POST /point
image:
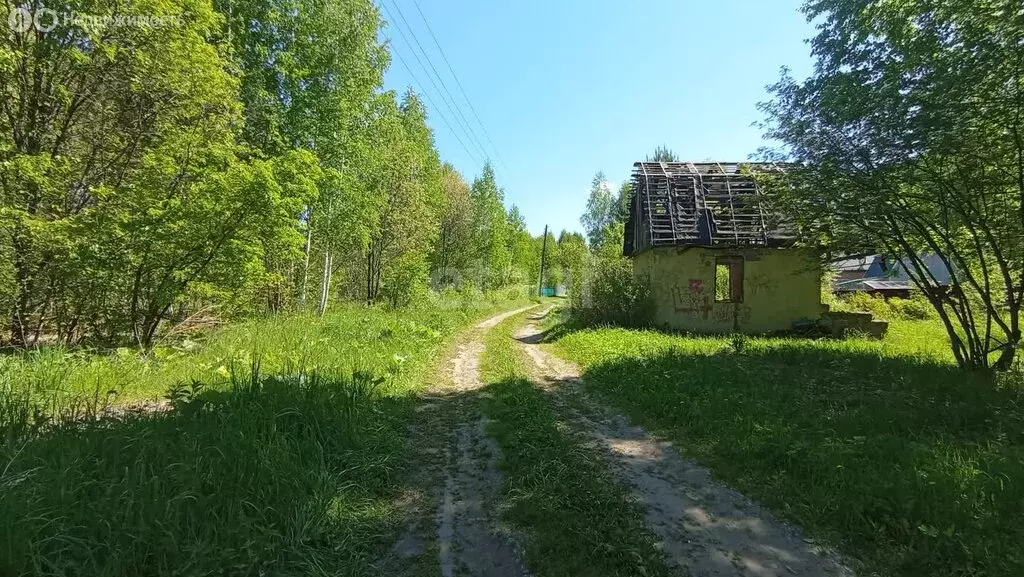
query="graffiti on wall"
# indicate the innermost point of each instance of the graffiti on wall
(735, 314)
(691, 300)
(695, 302)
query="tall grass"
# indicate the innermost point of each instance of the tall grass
(258, 478)
(347, 338)
(280, 452)
(886, 448)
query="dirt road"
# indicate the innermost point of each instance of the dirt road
(455, 511)
(704, 528)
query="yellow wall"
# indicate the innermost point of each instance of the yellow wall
(780, 287)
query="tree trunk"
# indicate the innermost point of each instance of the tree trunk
(1006, 357)
(305, 270)
(325, 284)
(369, 276)
(330, 279)
(19, 336)
(134, 311)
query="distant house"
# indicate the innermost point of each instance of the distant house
(884, 275)
(716, 258)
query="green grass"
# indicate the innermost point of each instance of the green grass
(349, 336)
(257, 481)
(282, 462)
(885, 448)
(578, 520)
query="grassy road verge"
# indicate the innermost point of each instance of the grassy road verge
(885, 448)
(282, 462)
(579, 521)
(348, 336)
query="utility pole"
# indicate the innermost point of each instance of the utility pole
(543, 257)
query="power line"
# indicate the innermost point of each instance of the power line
(452, 107)
(439, 112)
(444, 88)
(459, 84)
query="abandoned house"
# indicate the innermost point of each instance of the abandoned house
(715, 257)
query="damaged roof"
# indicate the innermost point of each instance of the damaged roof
(708, 204)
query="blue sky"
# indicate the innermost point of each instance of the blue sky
(567, 88)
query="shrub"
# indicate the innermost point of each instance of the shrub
(828, 278)
(516, 293)
(860, 301)
(470, 295)
(408, 281)
(916, 308)
(449, 294)
(612, 295)
(501, 296)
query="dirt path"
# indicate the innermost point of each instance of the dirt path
(704, 527)
(454, 508)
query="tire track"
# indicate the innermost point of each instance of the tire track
(705, 527)
(457, 486)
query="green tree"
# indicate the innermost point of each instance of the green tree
(610, 245)
(663, 154)
(346, 214)
(601, 211)
(453, 254)
(523, 252)
(572, 259)
(622, 202)
(909, 137)
(224, 162)
(309, 71)
(111, 170)
(206, 241)
(404, 175)
(490, 226)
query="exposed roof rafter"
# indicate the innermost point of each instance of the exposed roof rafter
(711, 204)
